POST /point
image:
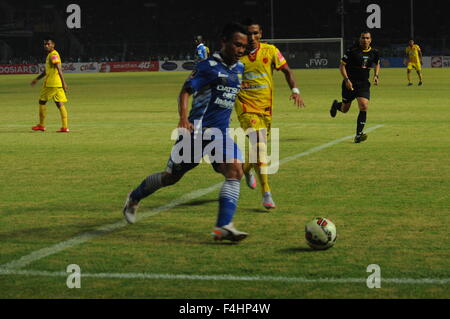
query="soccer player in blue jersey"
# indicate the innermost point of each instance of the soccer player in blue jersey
(202, 51)
(214, 85)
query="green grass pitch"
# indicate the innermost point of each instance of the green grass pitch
(389, 197)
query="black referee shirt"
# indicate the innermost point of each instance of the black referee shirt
(358, 63)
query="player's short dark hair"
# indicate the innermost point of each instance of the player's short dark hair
(250, 21)
(365, 32)
(230, 29)
(48, 39)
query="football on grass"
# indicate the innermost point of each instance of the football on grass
(320, 233)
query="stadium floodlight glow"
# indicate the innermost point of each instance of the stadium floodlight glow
(311, 52)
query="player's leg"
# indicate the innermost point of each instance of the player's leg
(43, 98)
(257, 127)
(262, 165)
(408, 73)
(247, 167)
(419, 73)
(60, 98)
(151, 184)
(247, 122)
(63, 113)
(42, 116)
(175, 170)
(228, 200)
(344, 106)
(363, 104)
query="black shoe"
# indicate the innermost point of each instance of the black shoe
(420, 83)
(333, 109)
(360, 138)
(410, 84)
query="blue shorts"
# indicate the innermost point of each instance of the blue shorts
(189, 151)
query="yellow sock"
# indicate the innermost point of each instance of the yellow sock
(42, 114)
(261, 167)
(409, 77)
(63, 113)
(263, 178)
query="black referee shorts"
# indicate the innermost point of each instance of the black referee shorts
(361, 89)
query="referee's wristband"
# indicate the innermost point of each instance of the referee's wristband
(295, 91)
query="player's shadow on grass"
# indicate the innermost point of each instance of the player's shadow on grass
(292, 139)
(199, 202)
(295, 250)
(258, 210)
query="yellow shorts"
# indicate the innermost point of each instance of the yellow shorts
(255, 121)
(415, 66)
(57, 94)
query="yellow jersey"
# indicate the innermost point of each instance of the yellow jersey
(256, 94)
(413, 53)
(52, 78)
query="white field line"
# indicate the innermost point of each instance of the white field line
(105, 229)
(412, 281)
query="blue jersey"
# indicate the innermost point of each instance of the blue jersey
(201, 53)
(215, 86)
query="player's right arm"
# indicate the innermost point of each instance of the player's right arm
(183, 101)
(407, 56)
(40, 76)
(198, 79)
(344, 74)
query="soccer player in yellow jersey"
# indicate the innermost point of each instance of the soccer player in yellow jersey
(54, 87)
(414, 61)
(254, 103)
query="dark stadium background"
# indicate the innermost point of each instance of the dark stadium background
(137, 30)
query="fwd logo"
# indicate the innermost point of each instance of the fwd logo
(318, 62)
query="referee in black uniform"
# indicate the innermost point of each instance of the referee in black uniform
(355, 69)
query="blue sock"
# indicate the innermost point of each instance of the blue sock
(228, 199)
(148, 186)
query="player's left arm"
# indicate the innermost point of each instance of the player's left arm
(290, 79)
(419, 51)
(376, 76)
(377, 62)
(60, 72)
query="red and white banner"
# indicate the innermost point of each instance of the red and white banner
(136, 66)
(19, 68)
(76, 67)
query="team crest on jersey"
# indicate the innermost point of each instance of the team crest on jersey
(265, 60)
